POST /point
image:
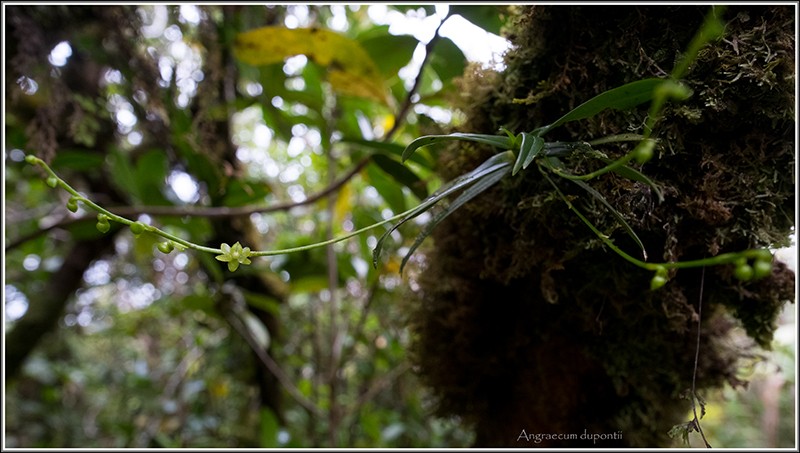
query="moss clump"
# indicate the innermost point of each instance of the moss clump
(525, 321)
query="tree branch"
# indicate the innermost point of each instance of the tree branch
(270, 364)
(401, 114)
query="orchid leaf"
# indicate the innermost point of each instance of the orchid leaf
(491, 165)
(493, 140)
(487, 181)
(620, 98)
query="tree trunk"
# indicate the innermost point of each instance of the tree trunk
(528, 327)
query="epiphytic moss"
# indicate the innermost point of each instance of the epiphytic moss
(525, 321)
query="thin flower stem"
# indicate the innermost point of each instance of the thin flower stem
(188, 244)
(725, 258)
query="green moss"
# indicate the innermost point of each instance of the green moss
(524, 320)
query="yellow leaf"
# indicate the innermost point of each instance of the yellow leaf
(344, 204)
(351, 71)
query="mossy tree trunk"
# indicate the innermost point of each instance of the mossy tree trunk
(526, 322)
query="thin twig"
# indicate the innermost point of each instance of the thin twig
(696, 358)
(270, 364)
(401, 114)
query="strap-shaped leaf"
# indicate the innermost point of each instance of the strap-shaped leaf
(494, 140)
(620, 98)
(489, 166)
(555, 162)
(531, 146)
(486, 181)
(389, 148)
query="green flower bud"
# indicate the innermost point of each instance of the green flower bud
(657, 282)
(743, 272)
(137, 228)
(166, 247)
(763, 255)
(102, 223)
(52, 182)
(31, 159)
(644, 151)
(72, 204)
(762, 269)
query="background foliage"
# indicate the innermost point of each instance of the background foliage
(154, 111)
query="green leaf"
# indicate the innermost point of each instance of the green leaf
(447, 60)
(390, 191)
(491, 165)
(268, 429)
(486, 181)
(240, 193)
(389, 52)
(531, 146)
(263, 302)
(620, 98)
(487, 17)
(77, 160)
(493, 140)
(401, 174)
(124, 175)
(351, 71)
(391, 149)
(151, 175)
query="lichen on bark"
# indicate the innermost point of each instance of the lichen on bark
(523, 319)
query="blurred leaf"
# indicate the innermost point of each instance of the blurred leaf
(240, 193)
(80, 160)
(351, 71)
(310, 284)
(123, 175)
(257, 329)
(447, 60)
(392, 149)
(151, 175)
(392, 432)
(389, 52)
(199, 302)
(401, 174)
(487, 17)
(344, 204)
(263, 302)
(391, 193)
(268, 429)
